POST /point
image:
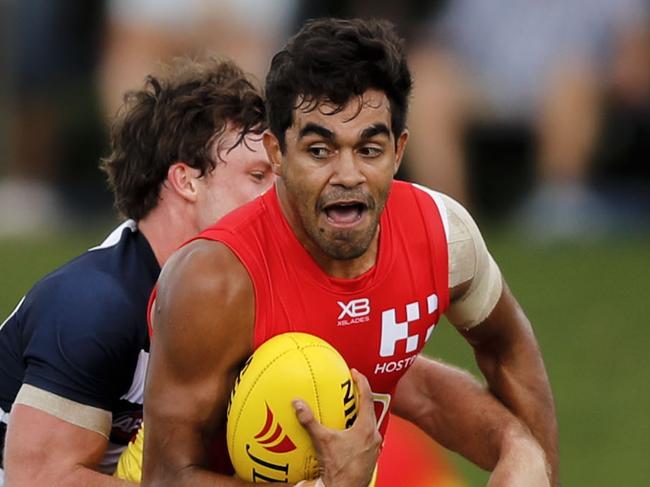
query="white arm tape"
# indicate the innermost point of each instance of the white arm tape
(88, 417)
(470, 261)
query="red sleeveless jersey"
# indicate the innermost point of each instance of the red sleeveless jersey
(378, 321)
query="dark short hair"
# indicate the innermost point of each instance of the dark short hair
(176, 117)
(335, 60)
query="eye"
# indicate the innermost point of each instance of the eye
(258, 176)
(318, 152)
(370, 151)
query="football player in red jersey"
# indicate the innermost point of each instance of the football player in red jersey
(377, 262)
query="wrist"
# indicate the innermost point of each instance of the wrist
(518, 444)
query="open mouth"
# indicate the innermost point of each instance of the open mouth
(345, 213)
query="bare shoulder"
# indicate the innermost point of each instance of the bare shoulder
(205, 296)
(201, 266)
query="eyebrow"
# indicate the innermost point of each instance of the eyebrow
(376, 129)
(313, 128)
(368, 133)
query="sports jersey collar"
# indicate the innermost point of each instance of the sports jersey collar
(146, 252)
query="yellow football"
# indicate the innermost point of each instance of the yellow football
(266, 442)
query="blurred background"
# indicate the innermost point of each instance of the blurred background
(535, 115)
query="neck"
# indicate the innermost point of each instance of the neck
(339, 268)
(166, 227)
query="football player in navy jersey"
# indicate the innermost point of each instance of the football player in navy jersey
(186, 149)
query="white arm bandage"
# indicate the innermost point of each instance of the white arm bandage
(88, 417)
(469, 261)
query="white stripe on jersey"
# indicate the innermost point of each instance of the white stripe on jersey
(114, 237)
(12, 313)
(442, 208)
(135, 394)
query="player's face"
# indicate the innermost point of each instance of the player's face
(239, 176)
(335, 175)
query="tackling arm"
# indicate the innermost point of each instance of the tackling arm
(508, 355)
(454, 409)
(42, 449)
(485, 312)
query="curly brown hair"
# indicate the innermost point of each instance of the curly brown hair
(177, 116)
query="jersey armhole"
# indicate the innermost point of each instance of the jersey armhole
(440, 204)
(438, 240)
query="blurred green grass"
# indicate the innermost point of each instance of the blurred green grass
(589, 304)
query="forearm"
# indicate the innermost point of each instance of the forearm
(456, 410)
(513, 367)
(525, 395)
(452, 407)
(515, 380)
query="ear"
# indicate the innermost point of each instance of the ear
(183, 180)
(400, 148)
(273, 151)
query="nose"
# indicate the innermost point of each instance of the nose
(347, 171)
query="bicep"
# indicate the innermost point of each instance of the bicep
(181, 413)
(41, 446)
(203, 332)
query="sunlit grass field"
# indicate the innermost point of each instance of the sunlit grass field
(590, 305)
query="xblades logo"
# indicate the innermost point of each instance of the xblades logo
(274, 439)
(353, 312)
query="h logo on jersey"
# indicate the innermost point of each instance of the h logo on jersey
(393, 331)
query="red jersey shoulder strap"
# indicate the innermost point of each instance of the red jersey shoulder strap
(428, 215)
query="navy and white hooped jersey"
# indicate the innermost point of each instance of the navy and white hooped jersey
(81, 333)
